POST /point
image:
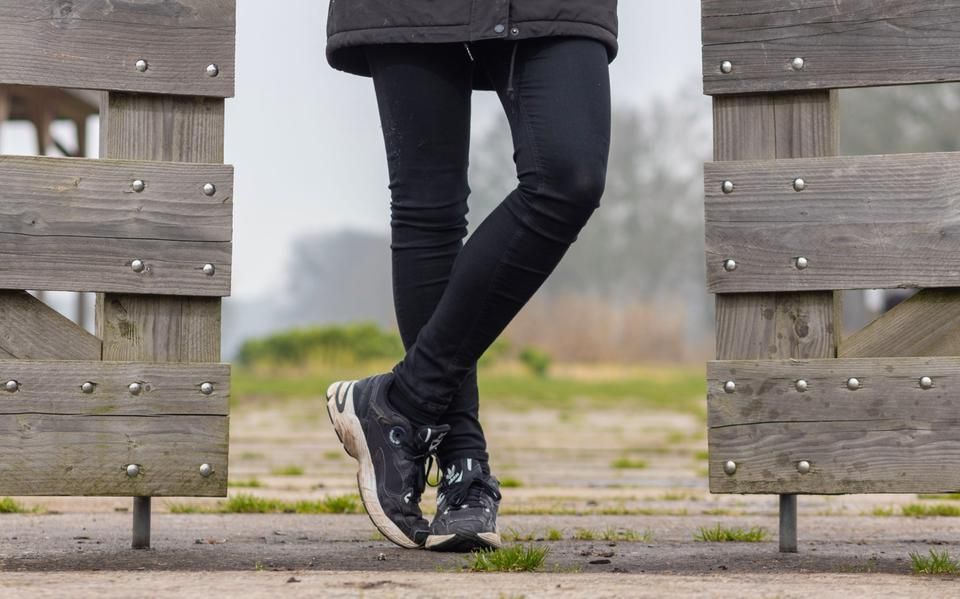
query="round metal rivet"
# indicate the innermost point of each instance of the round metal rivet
(206, 470)
(142, 65)
(727, 187)
(797, 63)
(209, 269)
(853, 383)
(138, 185)
(801, 263)
(212, 70)
(801, 385)
(133, 470)
(137, 265)
(803, 466)
(12, 386)
(135, 388)
(730, 387)
(499, 28)
(799, 184)
(209, 189)
(87, 387)
(926, 382)
(729, 467)
(206, 388)
(726, 67)
(515, 31)
(730, 265)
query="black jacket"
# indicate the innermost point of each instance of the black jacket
(352, 24)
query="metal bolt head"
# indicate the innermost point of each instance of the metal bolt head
(206, 470)
(209, 189)
(515, 31)
(726, 67)
(137, 265)
(730, 265)
(730, 387)
(803, 466)
(799, 184)
(133, 470)
(853, 383)
(801, 263)
(209, 269)
(727, 187)
(797, 63)
(212, 70)
(87, 387)
(801, 385)
(206, 388)
(135, 388)
(926, 382)
(142, 65)
(729, 467)
(11, 386)
(138, 185)
(499, 28)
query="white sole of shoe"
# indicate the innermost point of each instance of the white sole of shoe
(491, 539)
(348, 429)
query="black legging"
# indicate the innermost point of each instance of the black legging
(453, 299)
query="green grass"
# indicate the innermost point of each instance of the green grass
(920, 510)
(554, 534)
(612, 534)
(721, 534)
(8, 505)
(512, 535)
(625, 463)
(251, 504)
(882, 511)
(936, 563)
(287, 471)
(701, 455)
(514, 558)
(245, 484)
(508, 482)
(334, 454)
(948, 496)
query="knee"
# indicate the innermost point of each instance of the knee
(565, 192)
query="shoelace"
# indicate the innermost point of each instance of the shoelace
(472, 492)
(423, 474)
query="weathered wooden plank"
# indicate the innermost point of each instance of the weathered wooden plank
(927, 324)
(73, 197)
(56, 387)
(54, 454)
(861, 222)
(891, 435)
(96, 44)
(29, 329)
(843, 43)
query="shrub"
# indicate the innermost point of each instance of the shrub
(330, 344)
(536, 360)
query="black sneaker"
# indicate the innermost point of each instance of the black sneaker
(392, 454)
(467, 504)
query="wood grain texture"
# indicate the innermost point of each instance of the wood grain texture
(889, 436)
(862, 222)
(29, 329)
(161, 328)
(927, 324)
(55, 454)
(844, 43)
(53, 387)
(95, 44)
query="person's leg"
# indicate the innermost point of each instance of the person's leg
(556, 94)
(423, 94)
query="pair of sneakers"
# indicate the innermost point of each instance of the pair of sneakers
(394, 457)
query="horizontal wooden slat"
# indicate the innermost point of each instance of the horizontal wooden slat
(927, 324)
(888, 436)
(95, 44)
(77, 225)
(861, 222)
(30, 329)
(843, 43)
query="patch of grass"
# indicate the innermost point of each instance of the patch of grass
(291, 470)
(250, 504)
(515, 558)
(612, 534)
(718, 511)
(701, 455)
(920, 510)
(333, 454)
(624, 463)
(721, 534)
(186, 508)
(9, 505)
(674, 437)
(882, 511)
(251, 455)
(512, 535)
(948, 496)
(508, 482)
(245, 484)
(554, 534)
(936, 563)
(677, 496)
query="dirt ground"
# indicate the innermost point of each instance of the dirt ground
(565, 467)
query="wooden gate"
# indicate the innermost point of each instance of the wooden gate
(140, 409)
(793, 407)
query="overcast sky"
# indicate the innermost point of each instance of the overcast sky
(305, 139)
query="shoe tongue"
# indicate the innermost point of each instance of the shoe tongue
(429, 437)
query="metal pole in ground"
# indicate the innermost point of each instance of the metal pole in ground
(788, 524)
(141, 523)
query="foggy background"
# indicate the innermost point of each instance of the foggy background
(311, 204)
